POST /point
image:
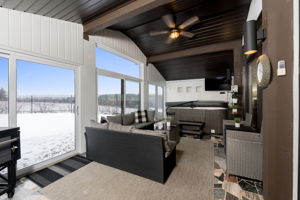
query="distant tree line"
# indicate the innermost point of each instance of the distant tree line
(46, 99)
(3, 94)
(132, 100)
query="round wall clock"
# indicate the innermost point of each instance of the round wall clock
(263, 71)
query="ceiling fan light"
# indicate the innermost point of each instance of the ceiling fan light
(174, 34)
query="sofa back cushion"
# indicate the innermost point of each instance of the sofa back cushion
(119, 127)
(128, 119)
(117, 119)
(141, 116)
(151, 115)
(95, 124)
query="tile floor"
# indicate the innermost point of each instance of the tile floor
(232, 187)
(25, 190)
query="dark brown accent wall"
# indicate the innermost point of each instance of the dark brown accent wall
(277, 101)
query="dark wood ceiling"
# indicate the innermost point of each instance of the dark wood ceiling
(220, 21)
(200, 66)
(79, 11)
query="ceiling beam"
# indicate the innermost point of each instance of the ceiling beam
(123, 13)
(223, 46)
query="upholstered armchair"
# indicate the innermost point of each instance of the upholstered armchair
(247, 122)
(244, 154)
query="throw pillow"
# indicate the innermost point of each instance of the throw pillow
(119, 127)
(150, 115)
(95, 124)
(117, 119)
(128, 119)
(141, 116)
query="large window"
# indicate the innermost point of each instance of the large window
(118, 84)
(152, 97)
(160, 102)
(111, 62)
(45, 111)
(109, 96)
(156, 100)
(132, 96)
(3, 92)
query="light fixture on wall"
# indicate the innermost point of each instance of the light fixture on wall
(251, 36)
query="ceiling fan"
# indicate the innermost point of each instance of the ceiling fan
(175, 31)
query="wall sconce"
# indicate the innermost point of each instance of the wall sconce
(251, 36)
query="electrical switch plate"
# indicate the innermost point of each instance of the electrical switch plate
(281, 70)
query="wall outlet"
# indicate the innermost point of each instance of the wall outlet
(212, 130)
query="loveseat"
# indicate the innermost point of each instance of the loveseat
(129, 119)
(141, 153)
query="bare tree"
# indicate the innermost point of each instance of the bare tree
(45, 107)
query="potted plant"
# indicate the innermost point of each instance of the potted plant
(237, 121)
(168, 120)
(235, 97)
(234, 109)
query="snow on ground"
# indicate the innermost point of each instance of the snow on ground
(47, 135)
(44, 136)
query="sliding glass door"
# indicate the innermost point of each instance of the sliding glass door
(3, 92)
(45, 111)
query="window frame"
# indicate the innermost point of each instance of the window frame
(123, 77)
(2, 55)
(157, 98)
(125, 87)
(12, 101)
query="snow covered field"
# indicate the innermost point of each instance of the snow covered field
(44, 136)
(49, 131)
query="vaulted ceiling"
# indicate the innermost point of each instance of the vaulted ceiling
(79, 11)
(220, 21)
(199, 66)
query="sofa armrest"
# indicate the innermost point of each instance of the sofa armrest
(244, 136)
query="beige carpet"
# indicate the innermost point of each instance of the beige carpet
(191, 179)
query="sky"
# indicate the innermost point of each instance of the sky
(39, 79)
(3, 73)
(111, 62)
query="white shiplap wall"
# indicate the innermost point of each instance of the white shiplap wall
(120, 43)
(41, 36)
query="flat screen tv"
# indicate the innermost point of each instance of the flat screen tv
(217, 84)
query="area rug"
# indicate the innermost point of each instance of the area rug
(47, 176)
(191, 179)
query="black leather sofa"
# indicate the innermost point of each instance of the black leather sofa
(143, 155)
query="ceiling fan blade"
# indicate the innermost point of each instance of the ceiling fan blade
(187, 34)
(169, 20)
(154, 33)
(189, 22)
